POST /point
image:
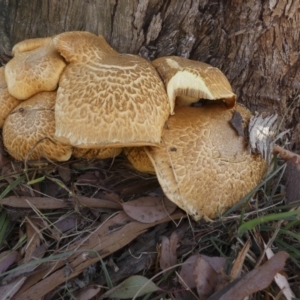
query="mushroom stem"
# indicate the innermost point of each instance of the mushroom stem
(286, 154)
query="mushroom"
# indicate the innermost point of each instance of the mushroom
(35, 67)
(29, 129)
(203, 165)
(100, 153)
(187, 81)
(7, 101)
(106, 101)
(139, 159)
(116, 99)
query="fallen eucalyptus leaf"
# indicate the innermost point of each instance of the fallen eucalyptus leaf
(130, 287)
(149, 209)
(168, 256)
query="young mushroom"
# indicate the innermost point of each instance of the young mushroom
(187, 81)
(139, 159)
(35, 67)
(28, 131)
(7, 101)
(203, 164)
(107, 99)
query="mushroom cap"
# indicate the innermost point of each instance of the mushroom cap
(82, 47)
(139, 159)
(203, 165)
(100, 153)
(187, 81)
(7, 101)
(116, 99)
(29, 129)
(35, 67)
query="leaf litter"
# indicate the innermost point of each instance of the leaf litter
(168, 256)
(74, 215)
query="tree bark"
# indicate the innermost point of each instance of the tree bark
(255, 43)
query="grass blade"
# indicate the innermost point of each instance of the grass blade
(247, 197)
(272, 217)
(11, 186)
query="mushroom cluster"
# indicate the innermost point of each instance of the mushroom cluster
(72, 94)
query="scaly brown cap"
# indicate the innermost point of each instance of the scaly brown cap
(107, 99)
(35, 67)
(29, 129)
(7, 101)
(203, 165)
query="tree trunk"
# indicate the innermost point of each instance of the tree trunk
(255, 43)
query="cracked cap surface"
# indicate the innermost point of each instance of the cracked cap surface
(203, 165)
(29, 129)
(35, 67)
(7, 101)
(107, 99)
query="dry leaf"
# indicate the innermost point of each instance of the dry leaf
(87, 293)
(66, 223)
(52, 203)
(88, 179)
(192, 275)
(256, 280)
(132, 287)
(239, 262)
(7, 291)
(64, 172)
(184, 295)
(149, 209)
(186, 275)
(237, 123)
(7, 258)
(33, 238)
(38, 202)
(137, 188)
(168, 256)
(217, 263)
(287, 155)
(98, 203)
(280, 279)
(114, 233)
(206, 277)
(38, 253)
(63, 225)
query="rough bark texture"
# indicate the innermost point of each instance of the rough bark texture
(255, 43)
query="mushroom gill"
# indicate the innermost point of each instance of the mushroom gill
(28, 131)
(35, 67)
(203, 165)
(187, 81)
(116, 99)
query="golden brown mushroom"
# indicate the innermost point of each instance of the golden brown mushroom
(139, 159)
(187, 81)
(7, 101)
(29, 129)
(116, 99)
(35, 67)
(203, 165)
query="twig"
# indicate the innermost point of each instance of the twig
(286, 154)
